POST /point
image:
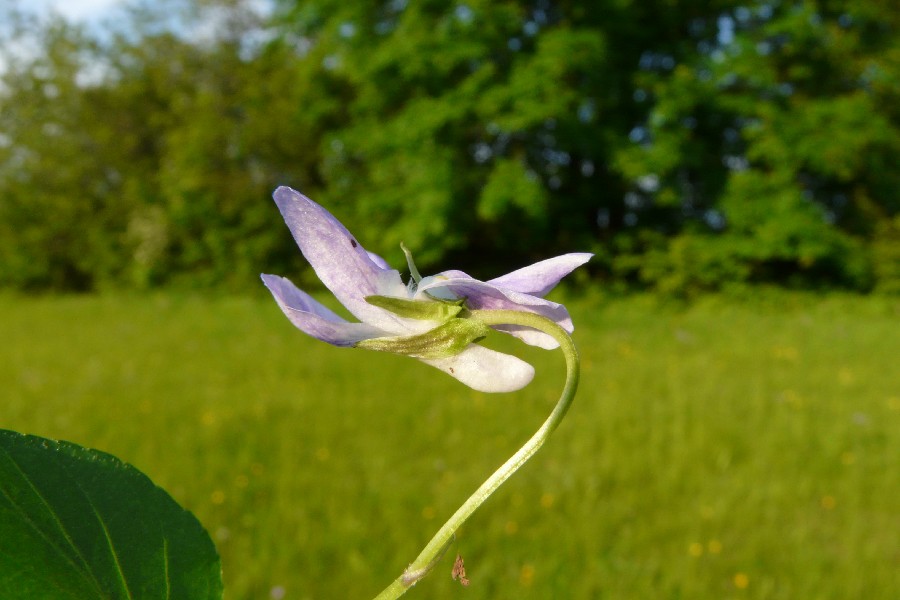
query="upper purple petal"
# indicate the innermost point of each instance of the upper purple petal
(339, 259)
(483, 295)
(315, 319)
(541, 277)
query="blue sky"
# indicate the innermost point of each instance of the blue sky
(85, 10)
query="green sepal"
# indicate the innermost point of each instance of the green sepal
(448, 339)
(413, 271)
(423, 310)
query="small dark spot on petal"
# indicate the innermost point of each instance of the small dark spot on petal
(451, 370)
(353, 243)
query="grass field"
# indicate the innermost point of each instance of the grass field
(721, 450)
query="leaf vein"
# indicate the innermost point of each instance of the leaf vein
(166, 567)
(112, 550)
(84, 568)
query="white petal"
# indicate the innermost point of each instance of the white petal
(530, 336)
(486, 370)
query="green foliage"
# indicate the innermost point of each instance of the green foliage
(886, 255)
(484, 133)
(755, 438)
(146, 157)
(778, 146)
(511, 186)
(78, 523)
(47, 189)
(442, 148)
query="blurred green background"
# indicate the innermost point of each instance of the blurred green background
(723, 450)
(692, 145)
(733, 165)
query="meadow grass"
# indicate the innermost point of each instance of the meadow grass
(719, 450)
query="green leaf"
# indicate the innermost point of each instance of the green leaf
(81, 524)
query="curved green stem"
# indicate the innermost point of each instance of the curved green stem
(438, 544)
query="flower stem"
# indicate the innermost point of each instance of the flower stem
(438, 544)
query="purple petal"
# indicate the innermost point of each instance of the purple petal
(482, 295)
(339, 260)
(486, 370)
(315, 319)
(541, 277)
(378, 260)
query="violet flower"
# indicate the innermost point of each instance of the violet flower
(427, 318)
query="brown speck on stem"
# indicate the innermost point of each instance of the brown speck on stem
(459, 571)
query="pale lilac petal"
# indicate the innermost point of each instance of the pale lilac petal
(315, 319)
(451, 274)
(339, 259)
(486, 370)
(378, 260)
(541, 277)
(482, 295)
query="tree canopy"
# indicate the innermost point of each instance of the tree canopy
(691, 145)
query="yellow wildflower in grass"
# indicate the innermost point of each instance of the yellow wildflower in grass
(741, 581)
(626, 350)
(792, 398)
(695, 549)
(526, 575)
(846, 376)
(786, 353)
(548, 500)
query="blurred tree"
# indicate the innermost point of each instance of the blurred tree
(486, 128)
(226, 106)
(774, 150)
(144, 154)
(48, 192)
(690, 144)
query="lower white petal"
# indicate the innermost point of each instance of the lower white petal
(530, 336)
(486, 370)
